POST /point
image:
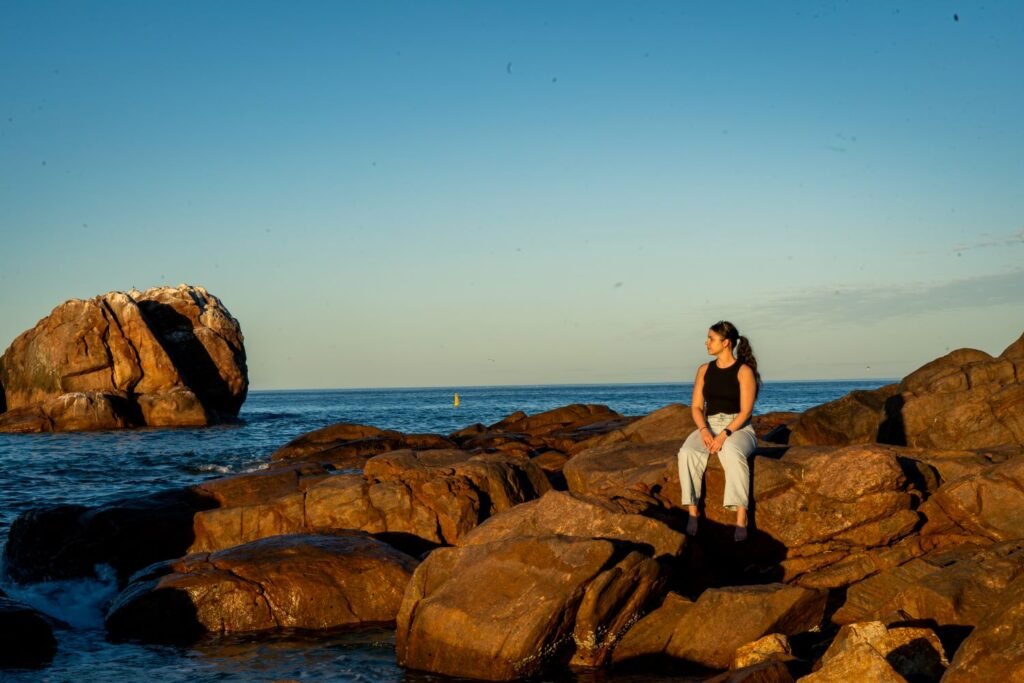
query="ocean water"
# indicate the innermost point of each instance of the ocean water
(95, 468)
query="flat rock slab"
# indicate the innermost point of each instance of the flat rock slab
(296, 581)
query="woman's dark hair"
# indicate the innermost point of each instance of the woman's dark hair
(740, 346)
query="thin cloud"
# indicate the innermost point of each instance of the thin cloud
(1010, 240)
(844, 304)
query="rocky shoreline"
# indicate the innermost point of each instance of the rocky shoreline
(554, 540)
(886, 543)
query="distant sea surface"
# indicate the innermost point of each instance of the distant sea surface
(94, 468)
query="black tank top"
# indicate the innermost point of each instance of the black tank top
(722, 389)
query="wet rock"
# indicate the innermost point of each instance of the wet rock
(508, 609)
(295, 581)
(27, 640)
(69, 541)
(163, 357)
(649, 637)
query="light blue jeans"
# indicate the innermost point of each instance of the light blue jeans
(693, 460)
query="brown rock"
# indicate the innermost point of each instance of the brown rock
(506, 610)
(25, 421)
(816, 496)
(993, 652)
(987, 505)
(674, 422)
(847, 566)
(178, 407)
(771, 671)
(773, 646)
(327, 437)
(435, 496)
(854, 418)
(650, 635)
(567, 514)
(710, 631)
(914, 653)
(27, 640)
(300, 581)
(964, 400)
(858, 663)
(774, 427)
(571, 418)
(956, 587)
(171, 356)
(724, 619)
(349, 445)
(625, 470)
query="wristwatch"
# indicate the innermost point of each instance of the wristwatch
(728, 432)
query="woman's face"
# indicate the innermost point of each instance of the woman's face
(715, 343)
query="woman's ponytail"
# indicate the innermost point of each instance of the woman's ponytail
(745, 355)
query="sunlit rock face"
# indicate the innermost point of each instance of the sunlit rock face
(169, 356)
(965, 399)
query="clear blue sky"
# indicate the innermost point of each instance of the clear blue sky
(446, 194)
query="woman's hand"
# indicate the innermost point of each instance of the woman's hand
(717, 443)
(707, 438)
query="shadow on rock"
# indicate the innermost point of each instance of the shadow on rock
(69, 541)
(198, 371)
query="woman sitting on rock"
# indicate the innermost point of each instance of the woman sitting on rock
(723, 401)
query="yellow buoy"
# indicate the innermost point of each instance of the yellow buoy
(456, 400)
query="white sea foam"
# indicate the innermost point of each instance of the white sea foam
(213, 467)
(81, 603)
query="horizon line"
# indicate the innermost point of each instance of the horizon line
(885, 380)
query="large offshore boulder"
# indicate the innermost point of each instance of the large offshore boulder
(169, 356)
(295, 581)
(966, 399)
